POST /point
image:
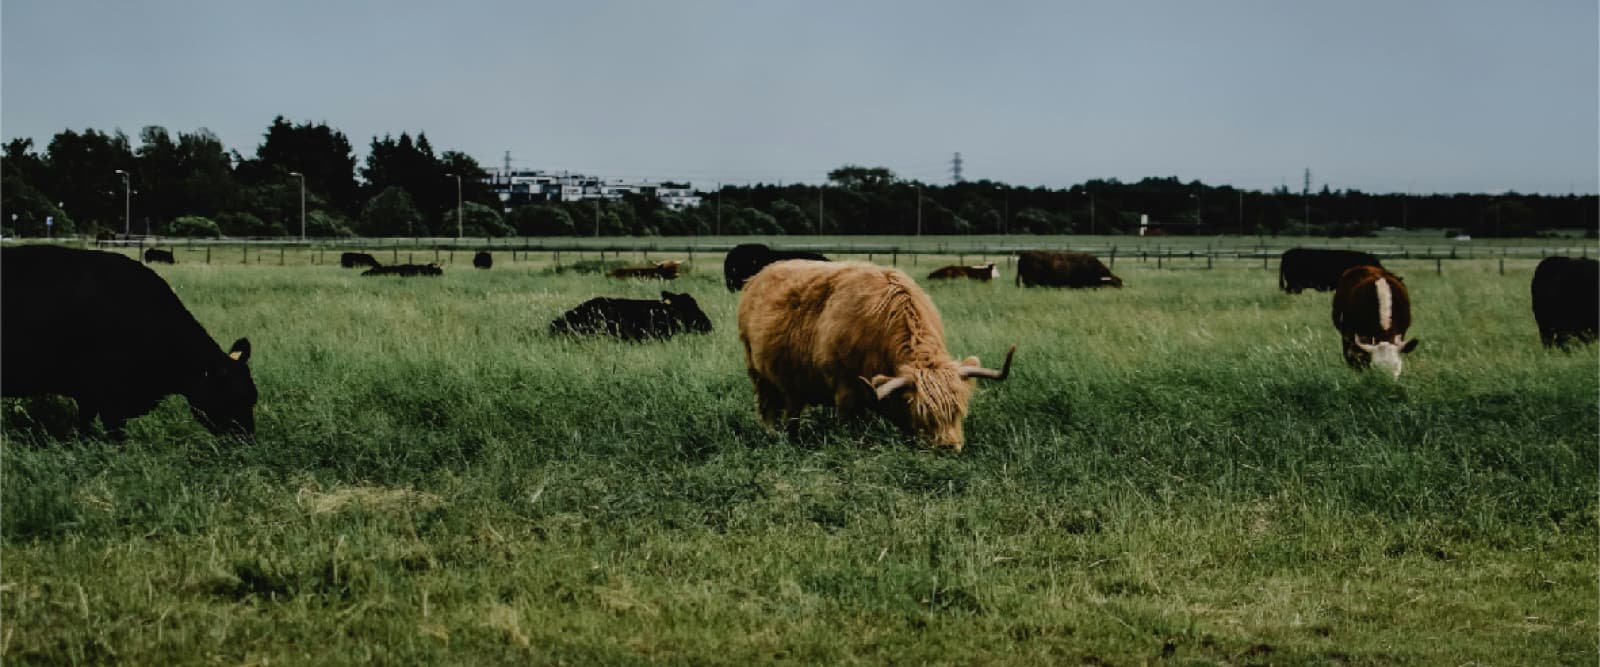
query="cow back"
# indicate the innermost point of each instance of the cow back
(1566, 298)
(77, 320)
(1363, 295)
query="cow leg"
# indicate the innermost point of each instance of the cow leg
(770, 401)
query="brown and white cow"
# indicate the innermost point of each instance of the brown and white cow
(1372, 311)
(985, 272)
(815, 332)
(666, 270)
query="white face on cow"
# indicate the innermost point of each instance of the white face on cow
(1386, 354)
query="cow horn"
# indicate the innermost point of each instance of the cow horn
(888, 388)
(1366, 346)
(989, 373)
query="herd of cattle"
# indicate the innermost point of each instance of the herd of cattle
(851, 335)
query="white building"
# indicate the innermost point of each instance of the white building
(518, 188)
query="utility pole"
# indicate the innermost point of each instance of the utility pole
(127, 206)
(819, 208)
(919, 210)
(1241, 212)
(1091, 214)
(302, 204)
(597, 217)
(719, 210)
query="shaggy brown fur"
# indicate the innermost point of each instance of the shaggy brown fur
(813, 330)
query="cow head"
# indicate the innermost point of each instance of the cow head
(1110, 281)
(223, 398)
(932, 402)
(994, 271)
(1385, 355)
(686, 311)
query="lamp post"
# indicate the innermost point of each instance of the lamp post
(127, 207)
(458, 205)
(302, 204)
(919, 209)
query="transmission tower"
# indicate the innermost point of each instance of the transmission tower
(955, 168)
(1305, 193)
(508, 164)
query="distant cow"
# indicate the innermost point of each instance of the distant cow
(405, 270)
(1566, 300)
(109, 333)
(984, 273)
(158, 256)
(667, 270)
(483, 259)
(854, 336)
(351, 260)
(1318, 268)
(1063, 269)
(1372, 311)
(747, 259)
(634, 319)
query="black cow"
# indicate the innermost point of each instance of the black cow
(483, 259)
(1566, 300)
(351, 260)
(1318, 268)
(634, 319)
(747, 259)
(405, 270)
(158, 256)
(109, 333)
(1063, 269)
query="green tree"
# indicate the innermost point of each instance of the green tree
(323, 154)
(391, 213)
(480, 220)
(192, 226)
(852, 177)
(540, 220)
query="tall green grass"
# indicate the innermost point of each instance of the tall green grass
(1180, 469)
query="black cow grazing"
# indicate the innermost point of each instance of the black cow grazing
(984, 273)
(634, 319)
(351, 260)
(483, 259)
(109, 333)
(1063, 269)
(405, 270)
(1318, 268)
(747, 259)
(1566, 300)
(158, 256)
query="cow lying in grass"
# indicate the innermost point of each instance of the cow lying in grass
(634, 319)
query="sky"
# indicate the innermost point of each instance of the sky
(1380, 96)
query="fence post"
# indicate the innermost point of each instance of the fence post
(208, 254)
(281, 253)
(1438, 266)
(1208, 260)
(894, 259)
(411, 258)
(1502, 266)
(1158, 259)
(245, 257)
(1113, 258)
(396, 254)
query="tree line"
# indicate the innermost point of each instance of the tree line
(191, 185)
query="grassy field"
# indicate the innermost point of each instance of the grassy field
(1181, 470)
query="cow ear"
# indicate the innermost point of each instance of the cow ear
(1409, 345)
(666, 297)
(971, 362)
(240, 351)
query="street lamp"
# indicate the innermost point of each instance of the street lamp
(127, 207)
(919, 209)
(458, 205)
(302, 204)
